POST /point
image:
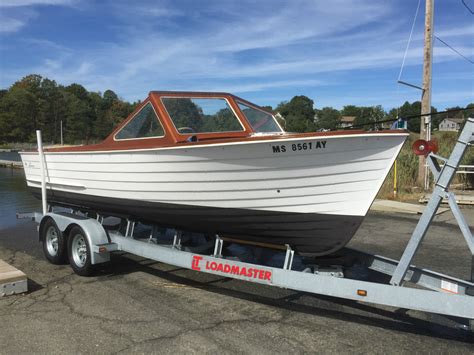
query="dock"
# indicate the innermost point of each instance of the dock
(12, 280)
(11, 164)
(462, 198)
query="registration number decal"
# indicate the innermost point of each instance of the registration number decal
(296, 147)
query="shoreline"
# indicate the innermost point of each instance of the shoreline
(11, 164)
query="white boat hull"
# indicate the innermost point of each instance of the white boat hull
(311, 191)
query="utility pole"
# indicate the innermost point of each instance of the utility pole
(425, 124)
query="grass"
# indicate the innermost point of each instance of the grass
(407, 167)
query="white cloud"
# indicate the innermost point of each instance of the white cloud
(456, 32)
(19, 3)
(243, 46)
(153, 11)
(10, 24)
(463, 97)
(16, 13)
(50, 45)
(255, 86)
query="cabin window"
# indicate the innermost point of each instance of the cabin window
(260, 121)
(144, 124)
(201, 115)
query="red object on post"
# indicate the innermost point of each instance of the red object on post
(422, 147)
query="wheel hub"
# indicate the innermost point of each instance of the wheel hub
(52, 241)
(79, 250)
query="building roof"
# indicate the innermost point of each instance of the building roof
(348, 119)
(455, 120)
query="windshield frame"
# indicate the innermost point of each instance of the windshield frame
(133, 115)
(191, 97)
(255, 107)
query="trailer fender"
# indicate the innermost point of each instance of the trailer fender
(93, 230)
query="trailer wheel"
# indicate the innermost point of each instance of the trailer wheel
(79, 252)
(54, 244)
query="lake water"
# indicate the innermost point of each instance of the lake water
(14, 197)
(14, 156)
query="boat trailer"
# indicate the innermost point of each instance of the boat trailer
(86, 240)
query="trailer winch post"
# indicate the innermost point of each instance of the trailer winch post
(43, 172)
(443, 176)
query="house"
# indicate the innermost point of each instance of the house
(451, 124)
(347, 121)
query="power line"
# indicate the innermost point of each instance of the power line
(467, 7)
(454, 50)
(407, 118)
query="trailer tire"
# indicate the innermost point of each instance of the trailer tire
(54, 243)
(79, 252)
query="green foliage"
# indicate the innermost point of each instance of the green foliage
(298, 113)
(407, 164)
(470, 111)
(370, 114)
(184, 113)
(267, 108)
(187, 115)
(35, 103)
(18, 115)
(222, 121)
(413, 109)
(327, 118)
(352, 110)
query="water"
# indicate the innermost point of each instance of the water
(13, 156)
(14, 197)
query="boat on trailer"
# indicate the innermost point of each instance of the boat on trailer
(89, 240)
(217, 164)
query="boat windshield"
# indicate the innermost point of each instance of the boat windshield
(261, 121)
(201, 115)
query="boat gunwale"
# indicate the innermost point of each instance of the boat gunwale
(289, 137)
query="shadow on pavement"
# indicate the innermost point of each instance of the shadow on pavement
(437, 326)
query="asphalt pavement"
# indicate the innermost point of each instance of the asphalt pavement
(134, 305)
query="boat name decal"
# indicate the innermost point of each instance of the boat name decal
(295, 147)
(232, 269)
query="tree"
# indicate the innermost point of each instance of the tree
(18, 111)
(298, 113)
(76, 119)
(111, 117)
(110, 97)
(414, 109)
(352, 110)
(30, 82)
(50, 109)
(470, 111)
(369, 115)
(184, 113)
(35, 102)
(458, 112)
(328, 118)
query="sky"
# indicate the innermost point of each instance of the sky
(336, 52)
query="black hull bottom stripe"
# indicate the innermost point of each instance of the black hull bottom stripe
(307, 233)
